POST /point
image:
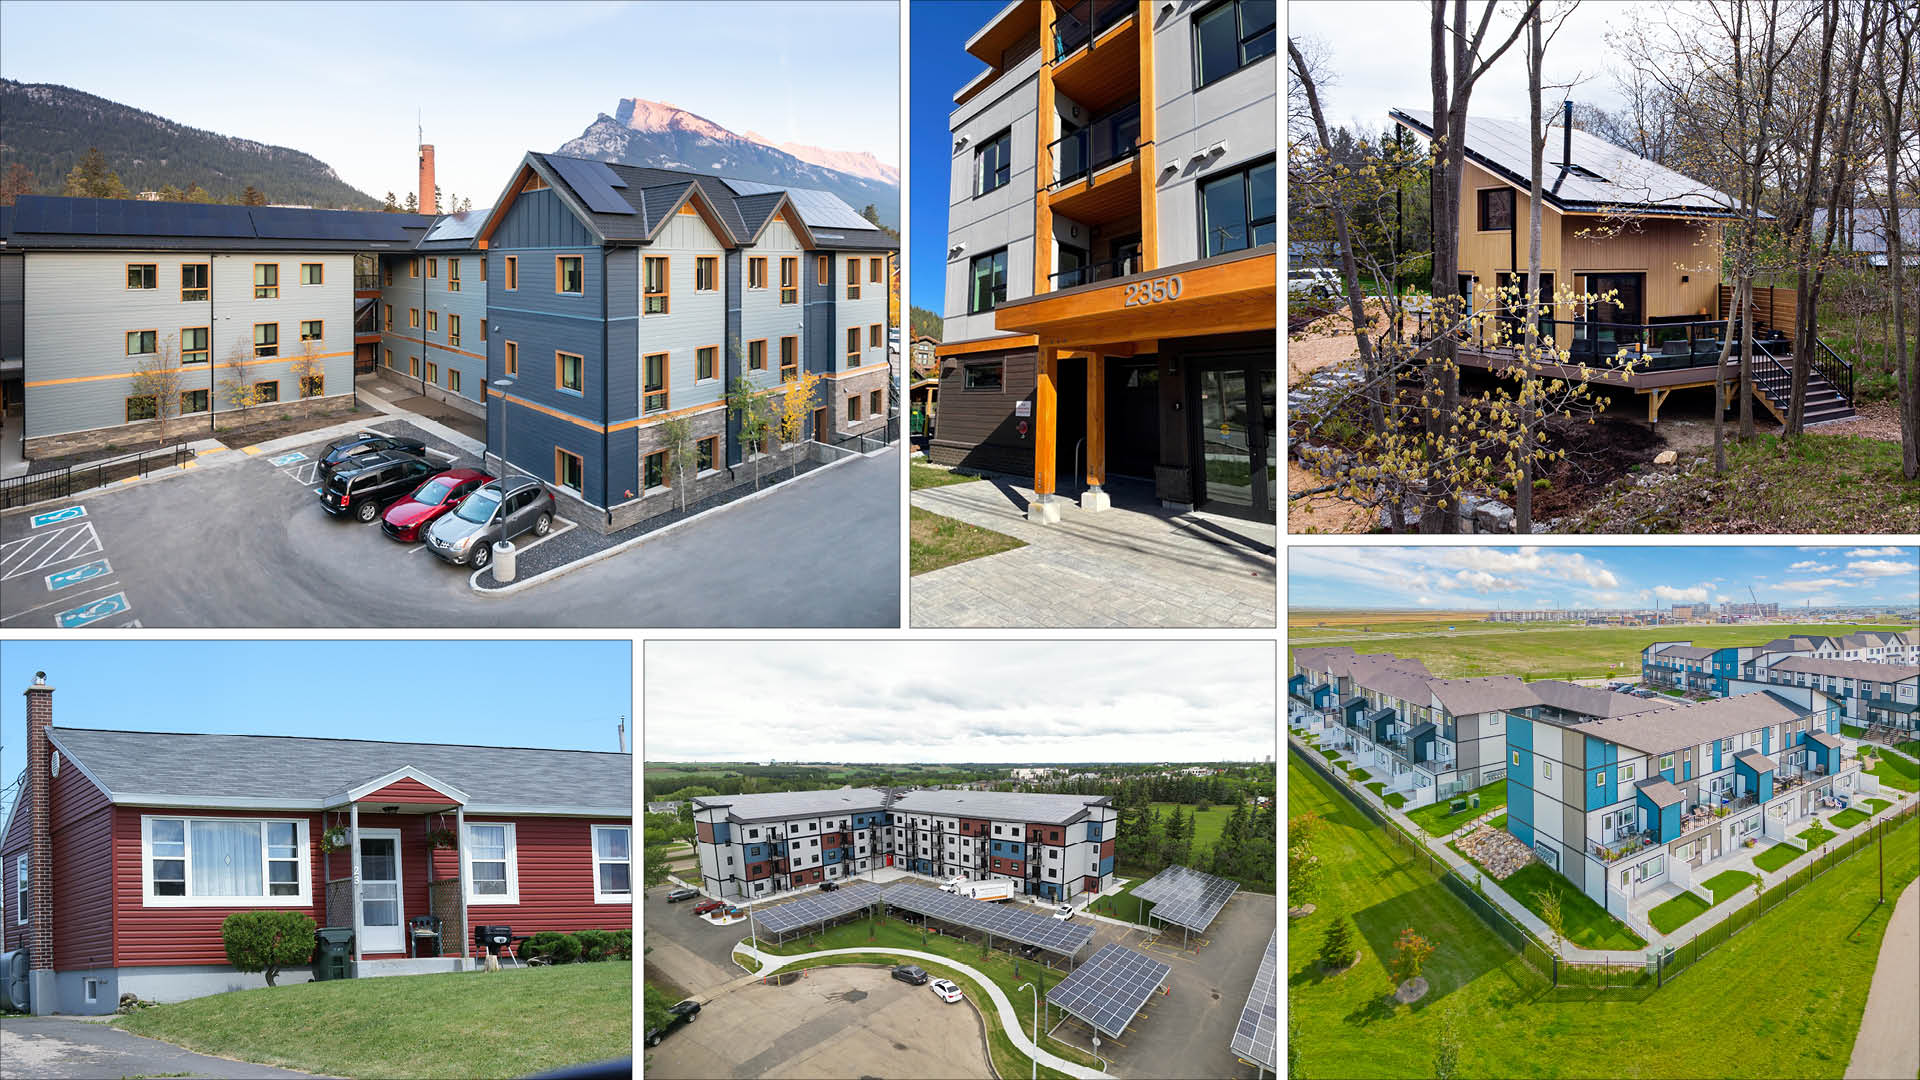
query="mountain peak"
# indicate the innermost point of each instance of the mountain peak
(643, 115)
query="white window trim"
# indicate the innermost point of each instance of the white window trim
(593, 854)
(22, 891)
(513, 864)
(302, 842)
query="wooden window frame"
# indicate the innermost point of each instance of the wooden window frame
(559, 379)
(433, 373)
(206, 290)
(413, 267)
(697, 380)
(185, 394)
(853, 408)
(433, 321)
(413, 318)
(789, 262)
(711, 264)
(559, 473)
(873, 335)
(757, 270)
(320, 336)
(711, 444)
(259, 398)
(762, 365)
(853, 277)
(666, 474)
(853, 346)
(822, 269)
(453, 328)
(132, 419)
(453, 379)
(483, 269)
(257, 354)
(665, 391)
(510, 357)
(413, 366)
(513, 273)
(206, 354)
(153, 274)
(1480, 208)
(453, 274)
(789, 372)
(433, 268)
(322, 267)
(156, 342)
(874, 273)
(387, 356)
(557, 261)
(665, 293)
(386, 276)
(313, 386)
(873, 404)
(261, 292)
(386, 315)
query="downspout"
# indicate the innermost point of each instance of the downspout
(213, 354)
(420, 261)
(606, 435)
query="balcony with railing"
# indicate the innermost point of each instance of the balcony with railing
(1084, 24)
(1095, 178)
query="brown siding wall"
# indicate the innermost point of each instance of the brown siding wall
(82, 873)
(977, 429)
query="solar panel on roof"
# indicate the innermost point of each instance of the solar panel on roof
(1254, 1038)
(1108, 990)
(593, 182)
(1186, 897)
(817, 208)
(818, 908)
(1012, 923)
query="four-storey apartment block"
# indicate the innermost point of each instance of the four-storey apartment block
(433, 314)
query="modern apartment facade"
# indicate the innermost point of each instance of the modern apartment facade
(1051, 846)
(1866, 693)
(433, 315)
(1111, 265)
(1682, 665)
(244, 307)
(622, 297)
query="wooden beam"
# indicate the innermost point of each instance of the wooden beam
(1046, 409)
(980, 345)
(1043, 159)
(1096, 420)
(1655, 398)
(1149, 203)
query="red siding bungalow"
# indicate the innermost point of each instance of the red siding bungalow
(127, 849)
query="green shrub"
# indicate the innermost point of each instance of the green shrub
(554, 947)
(623, 942)
(266, 941)
(595, 945)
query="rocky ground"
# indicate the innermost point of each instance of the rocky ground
(1499, 852)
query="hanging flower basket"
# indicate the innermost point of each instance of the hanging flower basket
(333, 839)
(442, 838)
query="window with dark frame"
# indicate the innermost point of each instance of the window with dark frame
(453, 275)
(993, 163)
(853, 278)
(310, 330)
(266, 339)
(706, 363)
(853, 346)
(266, 390)
(706, 273)
(143, 342)
(193, 401)
(656, 471)
(568, 275)
(653, 383)
(984, 375)
(313, 274)
(266, 281)
(790, 279)
(1496, 209)
(757, 355)
(142, 407)
(1230, 36)
(1237, 208)
(706, 454)
(143, 276)
(655, 287)
(569, 372)
(569, 470)
(193, 282)
(789, 358)
(987, 281)
(757, 272)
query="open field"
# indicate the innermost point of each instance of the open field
(1539, 651)
(1798, 1020)
(1898, 772)
(1206, 825)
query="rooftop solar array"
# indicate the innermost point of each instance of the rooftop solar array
(1108, 990)
(1041, 931)
(821, 209)
(1254, 1039)
(1186, 897)
(132, 217)
(817, 908)
(459, 226)
(594, 183)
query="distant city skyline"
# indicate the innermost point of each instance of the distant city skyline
(199, 64)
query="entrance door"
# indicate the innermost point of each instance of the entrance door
(1237, 412)
(380, 915)
(1616, 323)
(820, 424)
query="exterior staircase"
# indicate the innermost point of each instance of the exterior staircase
(1826, 402)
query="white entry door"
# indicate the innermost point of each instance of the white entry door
(382, 922)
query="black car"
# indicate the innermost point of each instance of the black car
(363, 486)
(366, 442)
(682, 1013)
(678, 895)
(910, 973)
(828, 886)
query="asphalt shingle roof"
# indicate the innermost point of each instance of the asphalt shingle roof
(1688, 652)
(1661, 792)
(1868, 670)
(1689, 725)
(1593, 701)
(793, 804)
(1004, 805)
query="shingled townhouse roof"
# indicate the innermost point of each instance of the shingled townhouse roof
(1594, 701)
(1688, 652)
(1690, 725)
(1492, 693)
(1661, 792)
(1864, 670)
(1755, 760)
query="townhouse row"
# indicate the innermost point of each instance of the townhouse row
(1051, 846)
(1873, 677)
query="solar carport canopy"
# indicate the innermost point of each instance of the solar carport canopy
(1040, 931)
(1108, 990)
(812, 910)
(1254, 1038)
(1186, 897)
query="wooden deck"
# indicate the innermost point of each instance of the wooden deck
(1656, 385)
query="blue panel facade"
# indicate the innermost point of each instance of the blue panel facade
(1662, 822)
(755, 852)
(1766, 740)
(1718, 747)
(1601, 757)
(820, 348)
(1106, 866)
(868, 821)
(722, 832)
(833, 855)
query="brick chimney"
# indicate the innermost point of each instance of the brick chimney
(428, 203)
(40, 807)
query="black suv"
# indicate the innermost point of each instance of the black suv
(364, 485)
(828, 886)
(366, 442)
(682, 1013)
(910, 973)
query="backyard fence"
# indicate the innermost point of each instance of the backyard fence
(1660, 967)
(60, 483)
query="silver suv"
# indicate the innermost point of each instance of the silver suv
(500, 510)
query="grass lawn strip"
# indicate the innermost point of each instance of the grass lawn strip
(1499, 824)
(1853, 732)
(413, 1025)
(1911, 747)
(996, 965)
(1898, 773)
(1877, 805)
(1588, 924)
(1847, 819)
(1728, 884)
(1207, 824)
(935, 540)
(1805, 1014)
(926, 476)
(1110, 904)
(1776, 857)
(1677, 912)
(1437, 822)
(1816, 836)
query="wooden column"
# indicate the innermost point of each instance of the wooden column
(1043, 158)
(359, 929)
(1149, 160)
(1096, 420)
(1045, 420)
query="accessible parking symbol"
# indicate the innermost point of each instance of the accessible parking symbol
(65, 513)
(86, 614)
(74, 575)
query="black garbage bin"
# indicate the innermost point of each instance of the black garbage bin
(492, 938)
(423, 935)
(333, 953)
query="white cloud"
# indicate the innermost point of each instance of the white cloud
(1868, 553)
(1695, 594)
(1882, 567)
(1815, 585)
(1811, 566)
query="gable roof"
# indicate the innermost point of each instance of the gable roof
(1660, 791)
(1688, 652)
(296, 773)
(1870, 670)
(1593, 701)
(1492, 693)
(1624, 179)
(1689, 725)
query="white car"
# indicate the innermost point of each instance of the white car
(1321, 281)
(945, 990)
(1063, 911)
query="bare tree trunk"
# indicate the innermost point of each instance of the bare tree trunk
(1530, 340)
(1895, 27)
(1803, 296)
(1720, 385)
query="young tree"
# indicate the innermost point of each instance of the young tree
(90, 178)
(791, 409)
(159, 376)
(309, 371)
(236, 387)
(413, 203)
(1303, 870)
(1552, 915)
(1410, 954)
(392, 205)
(677, 439)
(755, 420)
(1337, 947)
(17, 182)
(252, 196)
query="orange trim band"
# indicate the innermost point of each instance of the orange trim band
(225, 364)
(430, 345)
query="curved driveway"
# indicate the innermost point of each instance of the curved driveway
(1888, 1044)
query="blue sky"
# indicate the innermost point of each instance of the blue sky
(342, 81)
(1484, 578)
(941, 65)
(564, 695)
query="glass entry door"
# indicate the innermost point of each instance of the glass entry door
(1236, 415)
(380, 916)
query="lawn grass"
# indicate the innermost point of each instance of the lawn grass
(1874, 806)
(1847, 819)
(1588, 924)
(935, 540)
(1816, 836)
(1003, 969)
(1805, 1014)
(1378, 787)
(1434, 818)
(1396, 800)
(1206, 823)
(413, 1025)
(1911, 747)
(1852, 732)
(1776, 857)
(1499, 823)
(1727, 884)
(926, 476)
(1112, 906)
(1677, 912)
(1898, 773)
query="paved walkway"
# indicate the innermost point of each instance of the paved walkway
(58, 1048)
(1889, 1043)
(1133, 565)
(1008, 1019)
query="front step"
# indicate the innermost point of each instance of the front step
(1824, 404)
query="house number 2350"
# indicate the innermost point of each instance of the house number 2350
(1152, 292)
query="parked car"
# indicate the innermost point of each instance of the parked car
(678, 895)
(945, 991)
(711, 905)
(910, 973)
(1063, 911)
(407, 519)
(363, 485)
(366, 442)
(828, 886)
(683, 1013)
(500, 510)
(1321, 281)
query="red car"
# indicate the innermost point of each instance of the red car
(406, 520)
(711, 905)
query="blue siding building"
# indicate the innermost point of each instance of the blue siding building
(433, 314)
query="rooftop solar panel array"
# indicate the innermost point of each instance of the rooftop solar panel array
(821, 209)
(1186, 897)
(817, 908)
(1254, 1038)
(1012, 923)
(1108, 990)
(593, 182)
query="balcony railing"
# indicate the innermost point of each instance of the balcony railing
(1620, 848)
(1106, 270)
(1096, 146)
(363, 282)
(1078, 23)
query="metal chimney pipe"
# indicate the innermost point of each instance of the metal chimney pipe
(1566, 136)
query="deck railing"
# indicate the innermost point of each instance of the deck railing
(1102, 143)
(1080, 22)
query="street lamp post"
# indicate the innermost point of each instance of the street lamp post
(1036, 1026)
(501, 385)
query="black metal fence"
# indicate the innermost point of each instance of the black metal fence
(869, 441)
(59, 483)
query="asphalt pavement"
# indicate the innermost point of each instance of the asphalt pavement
(56, 1048)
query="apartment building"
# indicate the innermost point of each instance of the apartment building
(241, 306)
(1052, 846)
(1682, 665)
(433, 314)
(1872, 645)
(1619, 804)
(1866, 693)
(622, 297)
(1111, 266)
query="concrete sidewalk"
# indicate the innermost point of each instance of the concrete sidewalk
(1888, 1044)
(59, 1048)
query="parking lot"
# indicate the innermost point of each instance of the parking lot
(243, 541)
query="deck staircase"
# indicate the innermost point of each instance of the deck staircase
(1826, 401)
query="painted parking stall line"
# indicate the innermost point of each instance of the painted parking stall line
(291, 457)
(92, 612)
(50, 517)
(37, 551)
(61, 579)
